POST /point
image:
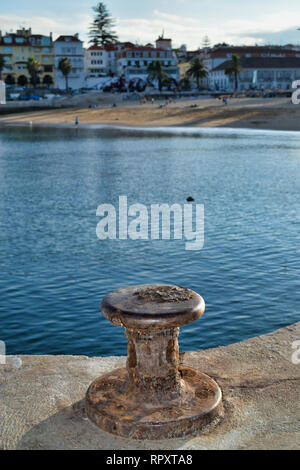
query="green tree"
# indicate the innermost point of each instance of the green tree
(65, 67)
(10, 80)
(221, 44)
(156, 72)
(47, 80)
(234, 70)
(22, 80)
(197, 70)
(33, 67)
(185, 83)
(2, 65)
(206, 42)
(101, 30)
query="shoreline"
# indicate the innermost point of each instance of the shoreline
(259, 114)
(171, 129)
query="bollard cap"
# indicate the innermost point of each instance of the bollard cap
(152, 306)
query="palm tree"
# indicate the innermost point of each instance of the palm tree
(2, 65)
(234, 69)
(33, 67)
(22, 80)
(47, 80)
(155, 72)
(185, 83)
(65, 67)
(197, 70)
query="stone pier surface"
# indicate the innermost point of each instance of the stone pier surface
(42, 399)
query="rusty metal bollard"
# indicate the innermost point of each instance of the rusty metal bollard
(154, 397)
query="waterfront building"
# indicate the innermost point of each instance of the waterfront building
(133, 61)
(219, 54)
(102, 61)
(70, 47)
(96, 61)
(163, 43)
(184, 56)
(257, 73)
(17, 48)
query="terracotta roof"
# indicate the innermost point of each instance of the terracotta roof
(96, 48)
(111, 47)
(255, 50)
(263, 63)
(67, 39)
(127, 44)
(27, 41)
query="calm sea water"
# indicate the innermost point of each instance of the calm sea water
(54, 271)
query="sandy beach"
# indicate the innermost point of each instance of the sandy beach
(252, 113)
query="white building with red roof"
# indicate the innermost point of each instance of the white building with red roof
(102, 60)
(96, 62)
(133, 62)
(70, 47)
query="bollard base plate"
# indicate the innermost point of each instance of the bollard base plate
(115, 409)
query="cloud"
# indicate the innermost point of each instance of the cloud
(262, 29)
(44, 25)
(273, 27)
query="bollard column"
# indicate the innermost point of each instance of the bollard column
(154, 397)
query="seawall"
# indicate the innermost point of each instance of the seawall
(42, 399)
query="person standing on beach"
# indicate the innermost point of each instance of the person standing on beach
(76, 122)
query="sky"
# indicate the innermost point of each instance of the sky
(185, 21)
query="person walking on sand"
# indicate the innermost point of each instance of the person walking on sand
(76, 122)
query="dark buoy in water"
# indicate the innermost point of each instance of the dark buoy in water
(190, 199)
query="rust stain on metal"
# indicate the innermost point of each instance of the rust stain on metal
(165, 294)
(153, 397)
